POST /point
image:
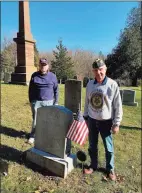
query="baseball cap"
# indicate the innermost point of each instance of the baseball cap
(43, 61)
(98, 63)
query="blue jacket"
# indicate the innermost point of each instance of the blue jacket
(43, 87)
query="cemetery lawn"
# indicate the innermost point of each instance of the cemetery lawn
(21, 178)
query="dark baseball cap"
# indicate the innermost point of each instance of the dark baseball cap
(43, 61)
(98, 63)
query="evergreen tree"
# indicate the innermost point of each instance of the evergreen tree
(125, 60)
(101, 56)
(62, 64)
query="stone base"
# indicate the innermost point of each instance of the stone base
(58, 166)
(20, 78)
(131, 103)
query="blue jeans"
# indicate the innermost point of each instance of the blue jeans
(104, 128)
(34, 106)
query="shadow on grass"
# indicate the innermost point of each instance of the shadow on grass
(13, 133)
(131, 128)
(3, 166)
(11, 154)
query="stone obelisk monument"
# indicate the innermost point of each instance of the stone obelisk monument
(25, 48)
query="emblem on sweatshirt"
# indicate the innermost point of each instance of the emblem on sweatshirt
(96, 100)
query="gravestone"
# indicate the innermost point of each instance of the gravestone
(128, 97)
(52, 127)
(52, 148)
(73, 89)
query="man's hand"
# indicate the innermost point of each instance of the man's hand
(115, 129)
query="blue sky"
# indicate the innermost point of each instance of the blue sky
(91, 26)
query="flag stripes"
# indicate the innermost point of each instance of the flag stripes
(78, 132)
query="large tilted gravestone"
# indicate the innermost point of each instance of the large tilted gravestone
(73, 89)
(128, 97)
(51, 148)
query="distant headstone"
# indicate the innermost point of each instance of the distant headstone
(52, 148)
(128, 97)
(73, 89)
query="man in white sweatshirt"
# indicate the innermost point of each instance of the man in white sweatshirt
(103, 113)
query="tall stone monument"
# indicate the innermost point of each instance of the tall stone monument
(25, 47)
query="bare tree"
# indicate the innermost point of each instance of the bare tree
(83, 63)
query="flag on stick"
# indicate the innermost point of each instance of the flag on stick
(78, 130)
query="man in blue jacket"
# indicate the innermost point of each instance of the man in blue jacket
(43, 91)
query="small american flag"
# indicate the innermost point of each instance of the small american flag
(78, 130)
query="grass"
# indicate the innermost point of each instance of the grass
(22, 178)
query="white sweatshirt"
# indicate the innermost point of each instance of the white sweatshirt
(103, 101)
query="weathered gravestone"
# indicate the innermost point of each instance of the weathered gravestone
(128, 97)
(52, 148)
(73, 90)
